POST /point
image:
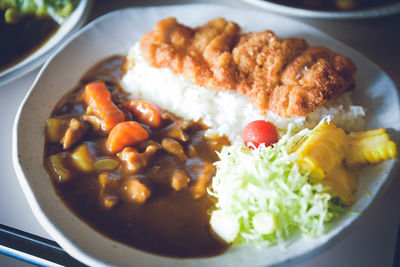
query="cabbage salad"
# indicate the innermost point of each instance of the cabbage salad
(263, 197)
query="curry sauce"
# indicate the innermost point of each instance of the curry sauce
(161, 207)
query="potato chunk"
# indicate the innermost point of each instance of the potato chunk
(55, 129)
(83, 158)
(59, 166)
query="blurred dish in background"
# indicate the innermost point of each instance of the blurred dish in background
(335, 5)
(36, 22)
(31, 30)
(330, 9)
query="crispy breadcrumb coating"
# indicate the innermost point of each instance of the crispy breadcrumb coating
(284, 75)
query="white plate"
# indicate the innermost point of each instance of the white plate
(70, 26)
(113, 34)
(307, 13)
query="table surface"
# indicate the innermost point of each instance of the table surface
(371, 244)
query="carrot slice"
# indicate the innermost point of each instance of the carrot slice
(98, 99)
(145, 112)
(127, 133)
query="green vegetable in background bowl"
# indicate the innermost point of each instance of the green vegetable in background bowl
(58, 10)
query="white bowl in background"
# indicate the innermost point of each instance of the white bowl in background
(71, 24)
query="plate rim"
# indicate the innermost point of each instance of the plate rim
(387, 10)
(75, 250)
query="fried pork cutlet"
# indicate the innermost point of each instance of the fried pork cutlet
(283, 75)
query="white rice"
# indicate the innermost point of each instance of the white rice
(226, 113)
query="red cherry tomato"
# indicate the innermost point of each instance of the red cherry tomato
(258, 132)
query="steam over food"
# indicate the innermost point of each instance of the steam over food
(286, 76)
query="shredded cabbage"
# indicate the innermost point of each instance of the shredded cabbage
(262, 196)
